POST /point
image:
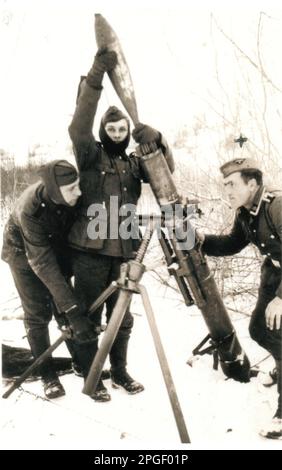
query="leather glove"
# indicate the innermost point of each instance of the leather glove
(144, 134)
(81, 327)
(104, 61)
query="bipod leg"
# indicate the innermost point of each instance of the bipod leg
(103, 297)
(197, 351)
(215, 359)
(17, 383)
(212, 349)
(109, 336)
(178, 415)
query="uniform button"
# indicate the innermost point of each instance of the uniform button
(49, 236)
(272, 236)
(125, 188)
(120, 158)
(254, 230)
(268, 254)
(262, 244)
(58, 212)
(123, 171)
(103, 172)
(42, 204)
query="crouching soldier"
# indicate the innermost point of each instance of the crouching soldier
(35, 248)
(259, 221)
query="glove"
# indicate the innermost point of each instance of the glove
(105, 61)
(144, 134)
(81, 327)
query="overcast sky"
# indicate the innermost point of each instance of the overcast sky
(171, 49)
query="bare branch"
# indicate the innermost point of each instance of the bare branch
(246, 56)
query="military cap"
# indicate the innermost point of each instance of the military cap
(113, 114)
(65, 173)
(239, 164)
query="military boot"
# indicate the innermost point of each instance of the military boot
(39, 341)
(101, 393)
(274, 429)
(271, 378)
(118, 359)
(121, 378)
(53, 387)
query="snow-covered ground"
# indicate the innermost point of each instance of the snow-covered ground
(219, 413)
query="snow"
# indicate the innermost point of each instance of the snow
(219, 413)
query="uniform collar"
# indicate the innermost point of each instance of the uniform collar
(53, 206)
(258, 198)
(256, 204)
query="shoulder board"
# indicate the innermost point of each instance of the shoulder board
(268, 201)
(273, 193)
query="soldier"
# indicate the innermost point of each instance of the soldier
(108, 174)
(259, 221)
(35, 247)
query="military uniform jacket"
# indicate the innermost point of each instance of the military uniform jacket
(263, 230)
(103, 176)
(37, 232)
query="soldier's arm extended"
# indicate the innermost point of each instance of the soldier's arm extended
(80, 130)
(226, 245)
(90, 88)
(43, 261)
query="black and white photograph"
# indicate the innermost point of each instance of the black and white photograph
(141, 226)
